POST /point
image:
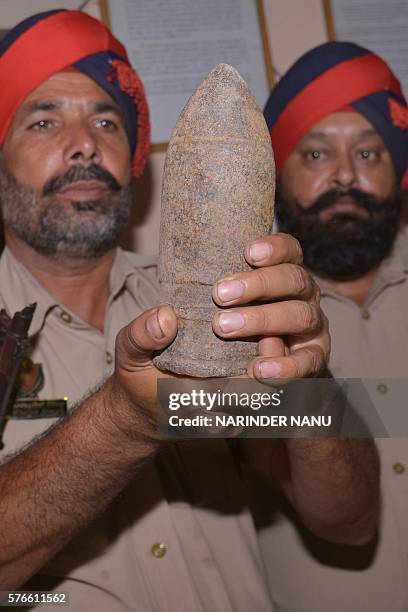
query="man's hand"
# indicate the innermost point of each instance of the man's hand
(293, 331)
(295, 341)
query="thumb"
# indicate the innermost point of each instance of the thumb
(151, 331)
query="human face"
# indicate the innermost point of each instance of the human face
(342, 151)
(337, 195)
(65, 172)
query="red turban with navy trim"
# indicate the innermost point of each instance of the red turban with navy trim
(45, 44)
(325, 80)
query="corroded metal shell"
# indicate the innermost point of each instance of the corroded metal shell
(218, 194)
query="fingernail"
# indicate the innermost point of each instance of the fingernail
(153, 326)
(230, 290)
(269, 369)
(259, 251)
(231, 321)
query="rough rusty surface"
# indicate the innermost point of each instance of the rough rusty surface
(218, 194)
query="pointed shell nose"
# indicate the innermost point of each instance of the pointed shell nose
(222, 106)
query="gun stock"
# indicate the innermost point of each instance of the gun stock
(12, 350)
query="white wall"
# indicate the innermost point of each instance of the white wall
(13, 11)
(294, 26)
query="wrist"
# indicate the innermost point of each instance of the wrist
(128, 420)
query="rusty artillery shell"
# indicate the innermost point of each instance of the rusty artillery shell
(218, 194)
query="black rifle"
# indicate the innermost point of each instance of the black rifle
(14, 343)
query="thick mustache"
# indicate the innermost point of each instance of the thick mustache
(362, 199)
(81, 173)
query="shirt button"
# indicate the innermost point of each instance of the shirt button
(159, 550)
(109, 357)
(65, 316)
(381, 388)
(365, 314)
(398, 468)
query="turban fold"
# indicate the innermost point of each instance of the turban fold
(50, 42)
(327, 79)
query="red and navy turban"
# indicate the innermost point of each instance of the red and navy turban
(325, 80)
(50, 42)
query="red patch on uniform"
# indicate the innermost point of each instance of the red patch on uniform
(30, 379)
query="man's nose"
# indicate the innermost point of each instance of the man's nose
(81, 145)
(344, 172)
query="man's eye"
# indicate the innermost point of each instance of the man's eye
(367, 154)
(107, 124)
(43, 124)
(314, 154)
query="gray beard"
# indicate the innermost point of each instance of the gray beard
(78, 230)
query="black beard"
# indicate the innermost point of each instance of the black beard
(81, 230)
(346, 246)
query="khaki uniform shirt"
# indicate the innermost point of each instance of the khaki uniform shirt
(306, 575)
(180, 537)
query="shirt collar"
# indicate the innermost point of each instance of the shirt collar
(26, 289)
(125, 266)
(393, 269)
